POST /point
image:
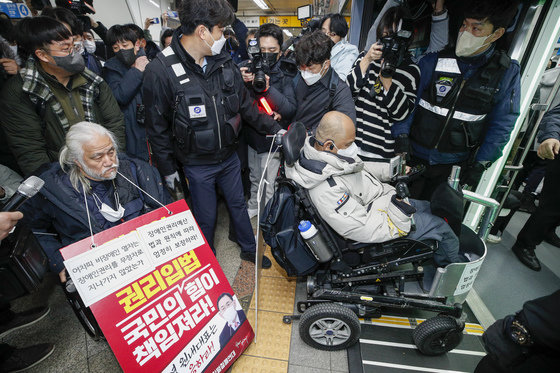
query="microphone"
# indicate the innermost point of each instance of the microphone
(26, 190)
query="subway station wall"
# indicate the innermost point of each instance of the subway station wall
(112, 12)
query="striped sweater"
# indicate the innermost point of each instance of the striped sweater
(376, 115)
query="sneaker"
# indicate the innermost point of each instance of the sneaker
(250, 257)
(493, 238)
(24, 358)
(553, 239)
(527, 256)
(23, 319)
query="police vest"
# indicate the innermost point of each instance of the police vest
(206, 119)
(452, 113)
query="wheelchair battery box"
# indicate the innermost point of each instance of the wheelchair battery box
(23, 263)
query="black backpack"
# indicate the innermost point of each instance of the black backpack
(279, 226)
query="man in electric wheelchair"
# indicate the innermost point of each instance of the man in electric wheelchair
(351, 198)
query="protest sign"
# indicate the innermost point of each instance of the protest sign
(159, 294)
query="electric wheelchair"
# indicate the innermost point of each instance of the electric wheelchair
(364, 280)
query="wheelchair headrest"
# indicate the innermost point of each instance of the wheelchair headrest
(292, 142)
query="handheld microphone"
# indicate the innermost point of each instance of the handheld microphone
(26, 190)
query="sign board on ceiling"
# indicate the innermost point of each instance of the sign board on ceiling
(286, 21)
(15, 10)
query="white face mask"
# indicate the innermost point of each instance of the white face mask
(350, 152)
(216, 48)
(90, 46)
(468, 44)
(107, 211)
(312, 78)
(230, 314)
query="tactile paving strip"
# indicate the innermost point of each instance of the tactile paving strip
(250, 364)
(273, 336)
(276, 294)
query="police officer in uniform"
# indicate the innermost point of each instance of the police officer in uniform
(467, 101)
(195, 100)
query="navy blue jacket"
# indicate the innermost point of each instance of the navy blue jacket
(550, 125)
(501, 119)
(60, 208)
(126, 84)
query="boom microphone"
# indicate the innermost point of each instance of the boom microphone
(26, 190)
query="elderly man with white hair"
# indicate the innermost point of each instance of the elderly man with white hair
(92, 186)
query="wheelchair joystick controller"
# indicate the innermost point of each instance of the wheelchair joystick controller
(402, 190)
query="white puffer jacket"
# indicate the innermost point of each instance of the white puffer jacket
(354, 202)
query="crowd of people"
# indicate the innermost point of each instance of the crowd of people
(99, 113)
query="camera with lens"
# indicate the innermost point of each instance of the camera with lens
(395, 47)
(78, 7)
(258, 66)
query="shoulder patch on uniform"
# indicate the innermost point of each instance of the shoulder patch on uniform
(342, 199)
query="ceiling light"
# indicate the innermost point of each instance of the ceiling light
(261, 4)
(288, 33)
(154, 3)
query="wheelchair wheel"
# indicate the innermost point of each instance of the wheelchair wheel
(329, 326)
(438, 335)
(85, 316)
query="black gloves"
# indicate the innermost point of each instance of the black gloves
(473, 173)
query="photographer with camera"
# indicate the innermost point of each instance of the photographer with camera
(384, 79)
(467, 101)
(125, 73)
(268, 75)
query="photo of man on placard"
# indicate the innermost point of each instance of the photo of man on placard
(229, 310)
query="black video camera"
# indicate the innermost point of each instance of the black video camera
(258, 66)
(78, 7)
(395, 47)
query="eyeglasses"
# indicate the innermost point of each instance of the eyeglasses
(66, 48)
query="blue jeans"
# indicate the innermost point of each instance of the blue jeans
(202, 185)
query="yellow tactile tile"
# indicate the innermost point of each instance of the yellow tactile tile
(273, 336)
(251, 364)
(275, 294)
(275, 270)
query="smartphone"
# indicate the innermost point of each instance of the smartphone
(155, 20)
(172, 14)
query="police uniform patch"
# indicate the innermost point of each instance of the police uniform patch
(197, 111)
(342, 199)
(443, 86)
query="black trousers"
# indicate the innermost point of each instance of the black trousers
(547, 216)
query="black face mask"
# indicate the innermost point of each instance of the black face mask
(271, 58)
(126, 56)
(73, 63)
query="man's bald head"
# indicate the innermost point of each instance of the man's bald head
(335, 128)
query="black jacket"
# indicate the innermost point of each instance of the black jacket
(280, 96)
(550, 125)
(174, 132)
(316, 100)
